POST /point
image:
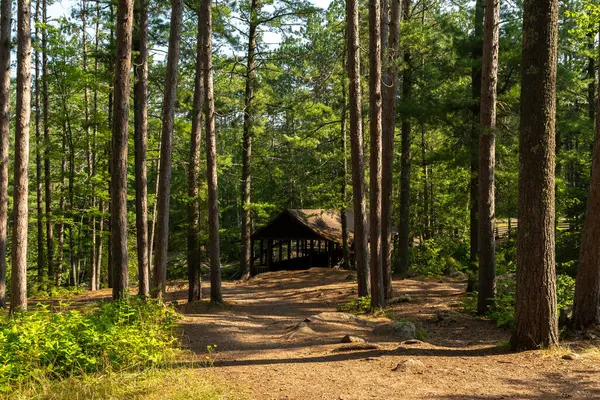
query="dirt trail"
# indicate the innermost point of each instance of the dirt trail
(462, 356)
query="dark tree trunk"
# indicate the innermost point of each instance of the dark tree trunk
(249, 118)
(166, 154)
(487, 158)
(404, 237)
(535, 312)
(476, 54)
(377, 295)
(47, 147)
(211, 158)
(586, 307)
(361, 246)
(388, 133)
(195, 288)
(5, 47)
(140, 99)
(118, 182)
(61, 209)
(18, 297)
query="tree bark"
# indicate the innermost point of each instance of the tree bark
(211, 158)
(247, 141)
(535, 312)
(476, 55)
(586, 307)
(404, 238)
(5, 47)
(487, 158)
(140, 99)
(61, 207)
(166, 154)
(195, 288)
(38, 156)
(118, 196)
(361, 246)
(18, 301)
(377, 295)
(343, 212)
(388, 134)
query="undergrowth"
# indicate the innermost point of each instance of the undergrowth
(44, 345)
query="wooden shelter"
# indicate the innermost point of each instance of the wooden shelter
(300, 239)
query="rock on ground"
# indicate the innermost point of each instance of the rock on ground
(403, 330)
(410, 365)
(353, 339)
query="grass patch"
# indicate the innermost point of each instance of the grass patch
(152, 384)
(42, 345)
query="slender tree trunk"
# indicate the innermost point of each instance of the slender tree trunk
(377, 295)
(38, 156)
(61, 206)
(487, 158)
(586, 307)
(151, 235)
(404, 237)
(119, 149)
(211, 158)
(476, 55)
(343, 213)
(195, 288)
(111, 95)
(361, 246)
(426, 210)
(535, 311)
(97, 232)
(140, 45)
(247, 142)
(388, 133)
(99, 241)
(18, 300)
(5, 47)
(168, 119)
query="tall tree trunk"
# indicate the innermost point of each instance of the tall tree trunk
(111, 95)
(487, 158)
(98, 232)
(195, 288)
(476, 54)
(361, 246)
(404, 238)
(47, 146)
(118, 196)
(38, 156)
(211, 158)
(168, 119)
(343, 212)
(247, 141)
(535, 311)
(5, 46)
(140, 100)
(18, 301)
(586, 307)
(152, 235)
(61, 207)
(388, 133)
(426, 212)
(377, 295)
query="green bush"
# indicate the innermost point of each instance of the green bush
(504, 304)
(427, 258)
(362, 305)
(129, 334)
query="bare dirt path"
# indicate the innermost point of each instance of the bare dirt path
(463, 358)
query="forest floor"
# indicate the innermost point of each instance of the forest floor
(462, 357)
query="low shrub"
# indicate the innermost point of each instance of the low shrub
(362, 305)
(131, 334)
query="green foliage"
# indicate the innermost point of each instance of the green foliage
(436, 257)
(128, 334)
(362, 305)
(504, 304)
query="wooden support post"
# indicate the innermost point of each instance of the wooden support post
(297, 248)
(262, 252)
(252, 257)
(289, 249)
(269, 254)
(280, 250)
(311, 253)
(319, 246)
(328, 247)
